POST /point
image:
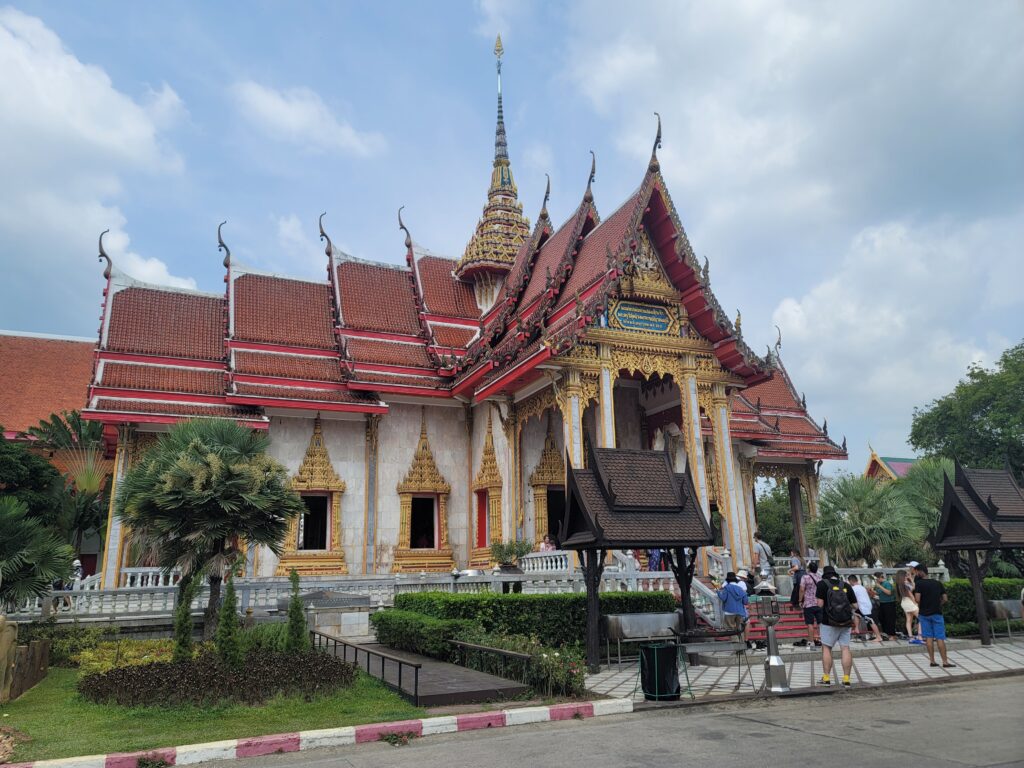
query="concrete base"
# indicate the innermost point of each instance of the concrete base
(348, 622)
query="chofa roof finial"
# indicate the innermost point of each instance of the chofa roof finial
(103, 255)
(778, 341)
(589, 195)
(401, 226)
(739, 323)
(654, 165)
(705, 275)
(221, 246)
(547, 196)
(329, 250)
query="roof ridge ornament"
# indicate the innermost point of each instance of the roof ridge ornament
(778, 341)
(401, 226)
(654, 164)
(329, 250)
(222, 246)
(547, 196)
(103, 255)
(588, 196)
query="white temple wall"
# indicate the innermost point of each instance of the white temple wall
(345, 442)
(534, 433)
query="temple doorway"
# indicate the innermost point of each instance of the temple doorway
(422, 531)
(556, 511)
(313, 532)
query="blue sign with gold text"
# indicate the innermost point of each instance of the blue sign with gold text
(632, 316)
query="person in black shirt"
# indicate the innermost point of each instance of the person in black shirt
(930, 595)
(836, 600)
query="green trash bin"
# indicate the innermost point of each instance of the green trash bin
(659, 671)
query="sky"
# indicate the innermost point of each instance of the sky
(854, 172)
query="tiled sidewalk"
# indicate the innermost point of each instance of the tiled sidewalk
(708, 681)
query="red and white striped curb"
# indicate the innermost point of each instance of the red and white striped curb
(339, 737)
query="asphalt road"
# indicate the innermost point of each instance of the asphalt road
(973, 723)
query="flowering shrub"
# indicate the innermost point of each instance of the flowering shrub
(550, 671)
(123, 653)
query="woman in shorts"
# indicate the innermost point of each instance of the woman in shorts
(905, 582)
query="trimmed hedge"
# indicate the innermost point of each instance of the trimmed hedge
(556, 620)
(970, 628)
(419, 633)
(207, 680)
(960, 607)
(66, 640)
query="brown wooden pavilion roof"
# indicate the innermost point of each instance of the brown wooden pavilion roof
(632, 499)
(981, 509)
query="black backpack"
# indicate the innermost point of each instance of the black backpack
(838, 610)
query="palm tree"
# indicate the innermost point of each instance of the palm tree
(31, 557)
(68, 430)
(860, 519)
(922, 487)
(201, 490)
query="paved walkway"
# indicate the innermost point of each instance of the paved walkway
(707, 681)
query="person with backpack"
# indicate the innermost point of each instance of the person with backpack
(734, 605)
(763, 553)
(836, 600)
(808, 600)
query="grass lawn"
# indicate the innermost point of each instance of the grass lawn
(61, 724)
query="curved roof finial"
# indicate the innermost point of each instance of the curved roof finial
(778, 341)
(654, 165)
(547, 196)
(589, 195)
(739, 323)
(103, 255)
(329, 250)
(705, 274)
(221, 246)
(401, 226)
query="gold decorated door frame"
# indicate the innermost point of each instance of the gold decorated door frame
(488, 482)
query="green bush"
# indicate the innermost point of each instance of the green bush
(123, 653)
(66, 640)
(960, 607)
(557, 620)
(419, 633)
(228, 645)
(207, 680)
(265, 637)
(967, 628)
(298, 632)
(548, 672)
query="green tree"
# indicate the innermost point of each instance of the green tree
(298, 632)
(204, 487)
(31, 557)
(183, 622)
(68, 430)
(229, 645)
(30, 479)
(981, 422)
(860, 518)
(774, 520)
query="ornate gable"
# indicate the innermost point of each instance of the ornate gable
(488, 476)
(316, 473)
(550, 470)
(424, 476)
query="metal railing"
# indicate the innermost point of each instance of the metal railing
(501, 669)
(331, 644)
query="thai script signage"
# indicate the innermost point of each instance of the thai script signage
(631, 316)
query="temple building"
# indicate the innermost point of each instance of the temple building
(426, 409)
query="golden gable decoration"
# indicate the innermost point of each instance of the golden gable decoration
(645, 278)
(423, 479)
(316, 475)
(488, 479)
(550, 471)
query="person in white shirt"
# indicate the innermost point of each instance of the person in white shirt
(863, 614)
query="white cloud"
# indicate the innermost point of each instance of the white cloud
(539, 157)
(304, 254)
(165, 107)
(299, 116)
(70, 138)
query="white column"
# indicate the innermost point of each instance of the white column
(694, 441)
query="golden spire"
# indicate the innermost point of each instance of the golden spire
(502, 229)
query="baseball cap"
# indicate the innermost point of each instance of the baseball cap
(913, 563)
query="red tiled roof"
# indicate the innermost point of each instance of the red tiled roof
(398, 379)
(275, 310)
(808, 447)
(39, 377)
(162, 378)
(774, 392)
(377, 298)
(550, 255)
(387, 352)
(591, 262)
(301, 393)
(171, 323)
(177, 409)
(450, 336)
(796, 425)
(287, 366)
(444, 294)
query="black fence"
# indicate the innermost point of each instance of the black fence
(367, 659)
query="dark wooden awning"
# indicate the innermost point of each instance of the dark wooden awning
(631, 499)
(981, 509)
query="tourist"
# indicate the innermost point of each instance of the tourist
(808, 600)
(547, 545)
(905, 583)
(865, 623)
(734, 605)
(796, 571)
(836, 600)
(885, 591)
(744, 580)
(762, 557)
(654, 560)
(930, 595)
